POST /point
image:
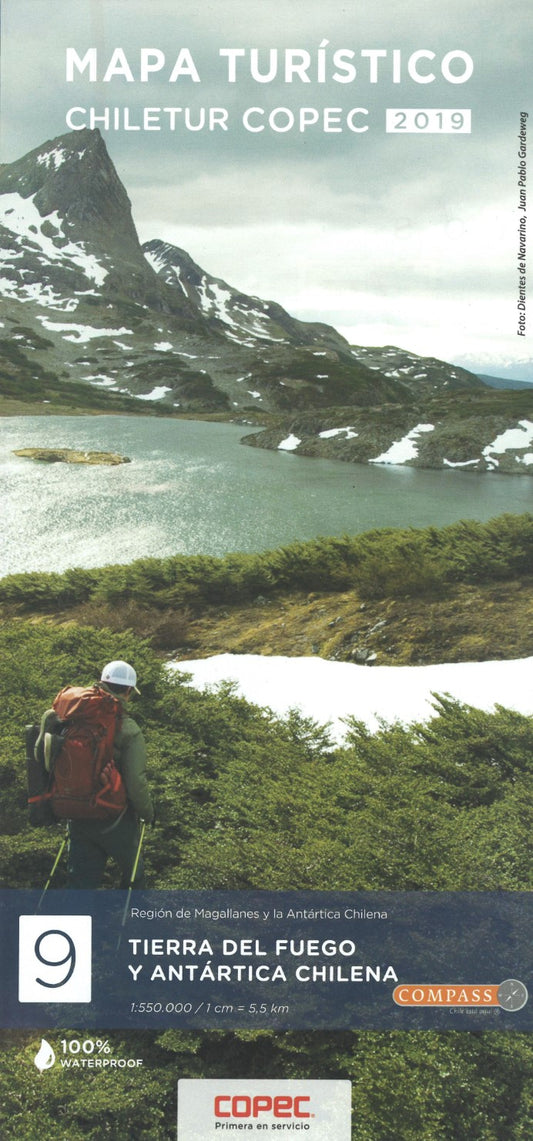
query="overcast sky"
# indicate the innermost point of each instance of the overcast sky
(398, 239)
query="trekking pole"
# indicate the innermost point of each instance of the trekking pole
(132, 880)
(51, 876)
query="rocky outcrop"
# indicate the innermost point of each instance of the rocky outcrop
(71, 456)
(499, 440)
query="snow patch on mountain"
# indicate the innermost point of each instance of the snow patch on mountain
(157, 393)
(38, 293)
(459, 463)
(56, 157)
(214, 300)
(44, 295)
(330, 433)
(21, 217)
(218, 302)
(290, 444)
(80, 334)
(181, 284)
(405, 449)
(520, 437)
(156, 261)
(101, 381)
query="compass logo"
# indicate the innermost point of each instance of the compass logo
(511, 995)
(45, 1057)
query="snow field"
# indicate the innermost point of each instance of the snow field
(331, 691)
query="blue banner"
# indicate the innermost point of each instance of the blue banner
(285, 960)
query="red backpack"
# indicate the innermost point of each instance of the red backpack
(83, 783)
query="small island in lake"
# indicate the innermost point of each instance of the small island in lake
(71, 456)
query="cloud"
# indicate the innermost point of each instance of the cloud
(433, 288)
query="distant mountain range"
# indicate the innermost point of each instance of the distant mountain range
(83, 300)
(505, 382)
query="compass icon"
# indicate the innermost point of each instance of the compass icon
(512, 995)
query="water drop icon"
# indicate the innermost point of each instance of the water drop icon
(45, 1057)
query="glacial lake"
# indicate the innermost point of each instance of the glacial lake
(192, 488)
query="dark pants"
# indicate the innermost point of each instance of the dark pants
(92, 842)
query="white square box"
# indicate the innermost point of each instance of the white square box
(210, 1108)
(55, 953)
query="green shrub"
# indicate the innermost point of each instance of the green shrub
(380, 563)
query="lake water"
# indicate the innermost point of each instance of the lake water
(193, 488)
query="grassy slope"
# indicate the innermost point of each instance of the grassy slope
(472, 623)
(469, 622)
(461, 593)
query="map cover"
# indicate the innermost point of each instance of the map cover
(266, 448)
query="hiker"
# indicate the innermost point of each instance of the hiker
(92, 842)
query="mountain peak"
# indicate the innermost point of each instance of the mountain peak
(64, 200)
(74, 175)
(245, 320)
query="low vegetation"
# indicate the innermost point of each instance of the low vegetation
(443, 806)
(391, 563)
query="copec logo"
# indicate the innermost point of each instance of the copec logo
(245, 1106)
(209, 1108)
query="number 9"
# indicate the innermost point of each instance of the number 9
(69, 957)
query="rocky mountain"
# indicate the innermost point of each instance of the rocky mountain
(67, 221)
(479, 432)
(81, 300)
(420, 374)
(242, 319)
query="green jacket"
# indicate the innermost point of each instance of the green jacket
(130, 759)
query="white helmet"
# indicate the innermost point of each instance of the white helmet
(120, 673)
